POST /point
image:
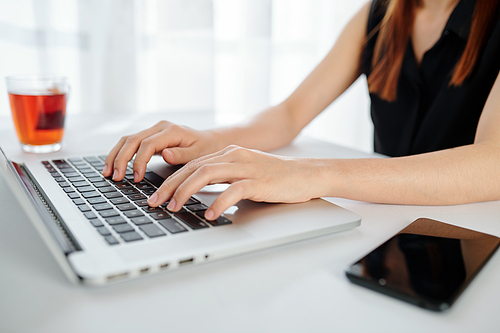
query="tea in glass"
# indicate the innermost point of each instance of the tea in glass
(38, 106)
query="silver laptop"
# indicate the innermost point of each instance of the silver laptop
(101, 231)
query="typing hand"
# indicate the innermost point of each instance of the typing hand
(252, 174)
(177, 145)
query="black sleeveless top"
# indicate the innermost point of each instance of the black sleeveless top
(428, 115)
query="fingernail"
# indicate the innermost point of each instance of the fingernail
(209, 214)
(136, 177)
(152, 199)
(171, 204)
(115, 174)
(105, 170)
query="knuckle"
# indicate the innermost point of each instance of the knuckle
(163, 123)
(124, 138)
(165, 188)
(192, 165)
(119, 160)
(205, 169)
(240, 187)
(147, 143)
(131, 139)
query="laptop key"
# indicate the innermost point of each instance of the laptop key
(129, 191)
(90, 215)
(126, 206)
(79, 201)
(96, 200)
(76, 179)
(149, 191)
(191, 220)
(148, 209)
(172, 226)
(140, 220)
(107, 189)
(133, 213)
(115, 220)
(85, 189)
(68, 189)
(95, 179)
(131, 236)
(111, 240)
(152, 230)
(104, 231)
(154, 179)
(191, 201)
(111, 195)
(81, 184)
(84, 208)
(64, 184)
(121, 228)
(123, 185)
(220, 221)
(141, 203)
(108, 213)
(160, 215)
(118, 201)
(96, 223)
(135, 197)
(102, 206)
(92, 194)
(100, 184)
(73, 195)
(197, 207)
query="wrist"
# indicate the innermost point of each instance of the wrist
(325, 177)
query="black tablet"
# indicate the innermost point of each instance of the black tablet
(429, 263)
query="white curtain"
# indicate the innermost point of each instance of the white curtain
(231, 57)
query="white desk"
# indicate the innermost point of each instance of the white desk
(300, 287)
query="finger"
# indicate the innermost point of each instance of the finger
(179, 188)
(207, 174)
(128, 149)
(108, 163)
(150, 146)
(231, 196)
(168, 187)
(180, 155)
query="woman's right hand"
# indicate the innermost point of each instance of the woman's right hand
(177, 145)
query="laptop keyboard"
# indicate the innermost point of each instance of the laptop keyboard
(118, 210)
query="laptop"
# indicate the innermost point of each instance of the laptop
(102, 232)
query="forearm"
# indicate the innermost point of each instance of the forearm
(455, 176)
(268, 130)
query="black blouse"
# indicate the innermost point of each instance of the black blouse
(428, 115)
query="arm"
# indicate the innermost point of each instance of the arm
(271, 129)
(453, 176)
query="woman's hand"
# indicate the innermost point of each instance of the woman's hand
(177, 145)
(251, 174)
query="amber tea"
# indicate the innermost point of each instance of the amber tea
(38, 114)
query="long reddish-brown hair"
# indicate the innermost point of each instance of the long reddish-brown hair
(395, 31)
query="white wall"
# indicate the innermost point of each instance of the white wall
(234, 57)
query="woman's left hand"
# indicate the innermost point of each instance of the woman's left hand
(252, 174)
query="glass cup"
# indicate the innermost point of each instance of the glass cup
(38, 105)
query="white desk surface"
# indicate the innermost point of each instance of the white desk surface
(299, 287)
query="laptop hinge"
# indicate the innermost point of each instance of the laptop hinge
(47, 211)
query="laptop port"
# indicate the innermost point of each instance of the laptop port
(164, 266)
(144, 270)
(186, 261)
